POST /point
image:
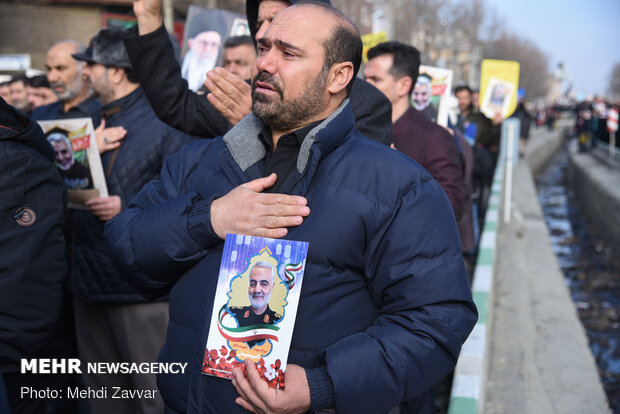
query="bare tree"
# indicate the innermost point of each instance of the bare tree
(468, 18)
(359, 11)
(455, 34)
(422, 16)
(614, 81)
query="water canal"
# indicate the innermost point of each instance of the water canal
(591, 269)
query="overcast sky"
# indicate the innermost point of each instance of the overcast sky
(584, 35)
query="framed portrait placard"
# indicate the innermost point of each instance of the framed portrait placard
(431, 93)
(77, 158)
(255, 306)
(203, 39)
(497, 98)
(499, 82)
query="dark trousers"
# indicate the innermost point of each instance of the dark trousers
(121, 332)
(62, 344)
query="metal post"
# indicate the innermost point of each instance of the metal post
(510, 138)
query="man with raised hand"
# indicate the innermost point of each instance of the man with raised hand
(386, 303)
(229, 99)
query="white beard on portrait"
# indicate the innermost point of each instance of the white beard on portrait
(195, 68)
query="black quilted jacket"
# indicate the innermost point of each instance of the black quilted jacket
(139, 160)
(32, 265)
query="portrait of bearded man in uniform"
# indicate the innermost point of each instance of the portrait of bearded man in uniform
(76, 175)
(260, 287)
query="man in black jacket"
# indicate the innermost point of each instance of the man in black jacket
(229, 99)
(113, 322)
(32, 265)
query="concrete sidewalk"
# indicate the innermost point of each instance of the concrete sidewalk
(539, 359)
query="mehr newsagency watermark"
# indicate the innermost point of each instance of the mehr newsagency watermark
(74, 366)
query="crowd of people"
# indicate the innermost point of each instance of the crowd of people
(590, 116)
(283, 140)
(27, 93)
(590, 127)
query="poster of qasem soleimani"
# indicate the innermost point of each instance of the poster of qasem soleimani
(77, 158)
(255, 306)
(205, 33)
(431, 93)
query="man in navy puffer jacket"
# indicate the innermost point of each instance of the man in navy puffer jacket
(385, 305)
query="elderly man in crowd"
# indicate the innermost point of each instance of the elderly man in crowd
(64, 74)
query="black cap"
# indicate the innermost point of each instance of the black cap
(106, 48)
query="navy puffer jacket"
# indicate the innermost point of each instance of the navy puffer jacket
(385, 305)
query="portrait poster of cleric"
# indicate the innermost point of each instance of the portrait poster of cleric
(77, 158)
(205, 32)
(431, 93)
(255, 306)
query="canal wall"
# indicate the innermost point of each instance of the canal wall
(595, 179)
(544, 144)
(531, 354)
(539, 355)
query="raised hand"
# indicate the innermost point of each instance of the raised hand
(229, 94)
(148, 15)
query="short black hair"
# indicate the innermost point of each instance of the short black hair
(343, 46)
(462, 88)
(344, 43)
(234, 41)
(39, 81)
(19, 78)
(406, 59)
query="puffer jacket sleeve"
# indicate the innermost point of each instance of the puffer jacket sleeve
(172, 227)
(153, 62)
(417, 279)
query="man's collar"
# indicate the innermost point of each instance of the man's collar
(246, 149)
(118, 105)
(85, 106)
(300, 134)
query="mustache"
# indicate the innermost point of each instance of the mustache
(269, 79)
(57, 84)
